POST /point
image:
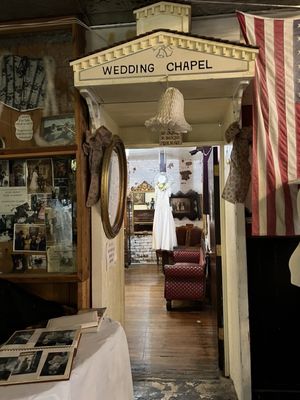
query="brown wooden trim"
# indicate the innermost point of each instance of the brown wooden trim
(38, 152)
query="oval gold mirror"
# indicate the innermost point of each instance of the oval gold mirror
(113, 187)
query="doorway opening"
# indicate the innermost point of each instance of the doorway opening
(182, 342)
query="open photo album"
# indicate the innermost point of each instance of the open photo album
(37, 355)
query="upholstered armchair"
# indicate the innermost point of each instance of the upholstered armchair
(186, 278)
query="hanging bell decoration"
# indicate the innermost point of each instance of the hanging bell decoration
(170, 114)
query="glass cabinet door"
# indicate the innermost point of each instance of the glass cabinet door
(38, 215)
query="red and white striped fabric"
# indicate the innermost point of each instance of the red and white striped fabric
(276, 123)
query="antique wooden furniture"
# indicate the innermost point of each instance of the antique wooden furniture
(60, 269)
(186, 278)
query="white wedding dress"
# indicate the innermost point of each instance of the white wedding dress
(164, 231)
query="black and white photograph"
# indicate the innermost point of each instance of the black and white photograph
(39, 176)
(6, 227)
(20, 337)
(20, 262)
(58, 129)
(56, 338)
(7, 365)
(55, 363)
(37, 262)
(29, 237)
(17, 173)
(61, 170)
(39, 203)
(27, 362)
(4, 173)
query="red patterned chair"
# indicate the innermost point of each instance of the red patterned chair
(186, 278)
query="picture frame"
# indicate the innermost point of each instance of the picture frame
(186, 205)
(57, 130)
(138, 198)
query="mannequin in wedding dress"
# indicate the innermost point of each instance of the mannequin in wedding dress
(164, 231)
(294, 262)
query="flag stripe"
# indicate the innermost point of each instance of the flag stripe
(276, 124)
(284, 208)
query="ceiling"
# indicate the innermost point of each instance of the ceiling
(203, 102)
(102, 12)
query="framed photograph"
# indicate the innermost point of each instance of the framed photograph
(186, 205)
(58, 130)
(138, 197)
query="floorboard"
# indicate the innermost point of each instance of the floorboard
(181, 343)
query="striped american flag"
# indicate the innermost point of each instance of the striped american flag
(276, 123)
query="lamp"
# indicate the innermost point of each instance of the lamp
(170, 114)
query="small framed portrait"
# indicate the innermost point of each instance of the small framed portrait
(186, 205)
(138, 197)
(58, 130)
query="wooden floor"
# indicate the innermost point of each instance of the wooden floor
(180, 343)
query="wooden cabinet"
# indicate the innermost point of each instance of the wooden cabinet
(45, 225)
(143, 220)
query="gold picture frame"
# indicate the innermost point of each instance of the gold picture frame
(113, 187)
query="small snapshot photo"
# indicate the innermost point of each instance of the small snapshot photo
(17, 173)
(56, 338)
(20, 262)
(4, 173)
(6, 227)
(58, 129)
(7, 365)
(39, 203)
(55, 363)
(37, 262)
(138, 198)
(29, 237)
(60, 171)
(39, 176)
(27, 363)
(20, 337)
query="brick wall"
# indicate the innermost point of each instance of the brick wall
(141, 250)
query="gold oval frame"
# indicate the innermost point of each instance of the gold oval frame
(117, 145)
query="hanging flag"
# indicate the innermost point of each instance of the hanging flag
(276, 123)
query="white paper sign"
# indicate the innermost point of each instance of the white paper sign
(12, 197)
(24, 127)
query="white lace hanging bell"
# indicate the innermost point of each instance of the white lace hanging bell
(170, 115)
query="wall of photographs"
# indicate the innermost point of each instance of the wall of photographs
(38, 215)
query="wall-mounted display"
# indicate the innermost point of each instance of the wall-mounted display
(43, 182)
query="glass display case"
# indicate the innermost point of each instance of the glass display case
(45, 224)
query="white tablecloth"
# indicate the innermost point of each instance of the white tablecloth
(101, 371)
